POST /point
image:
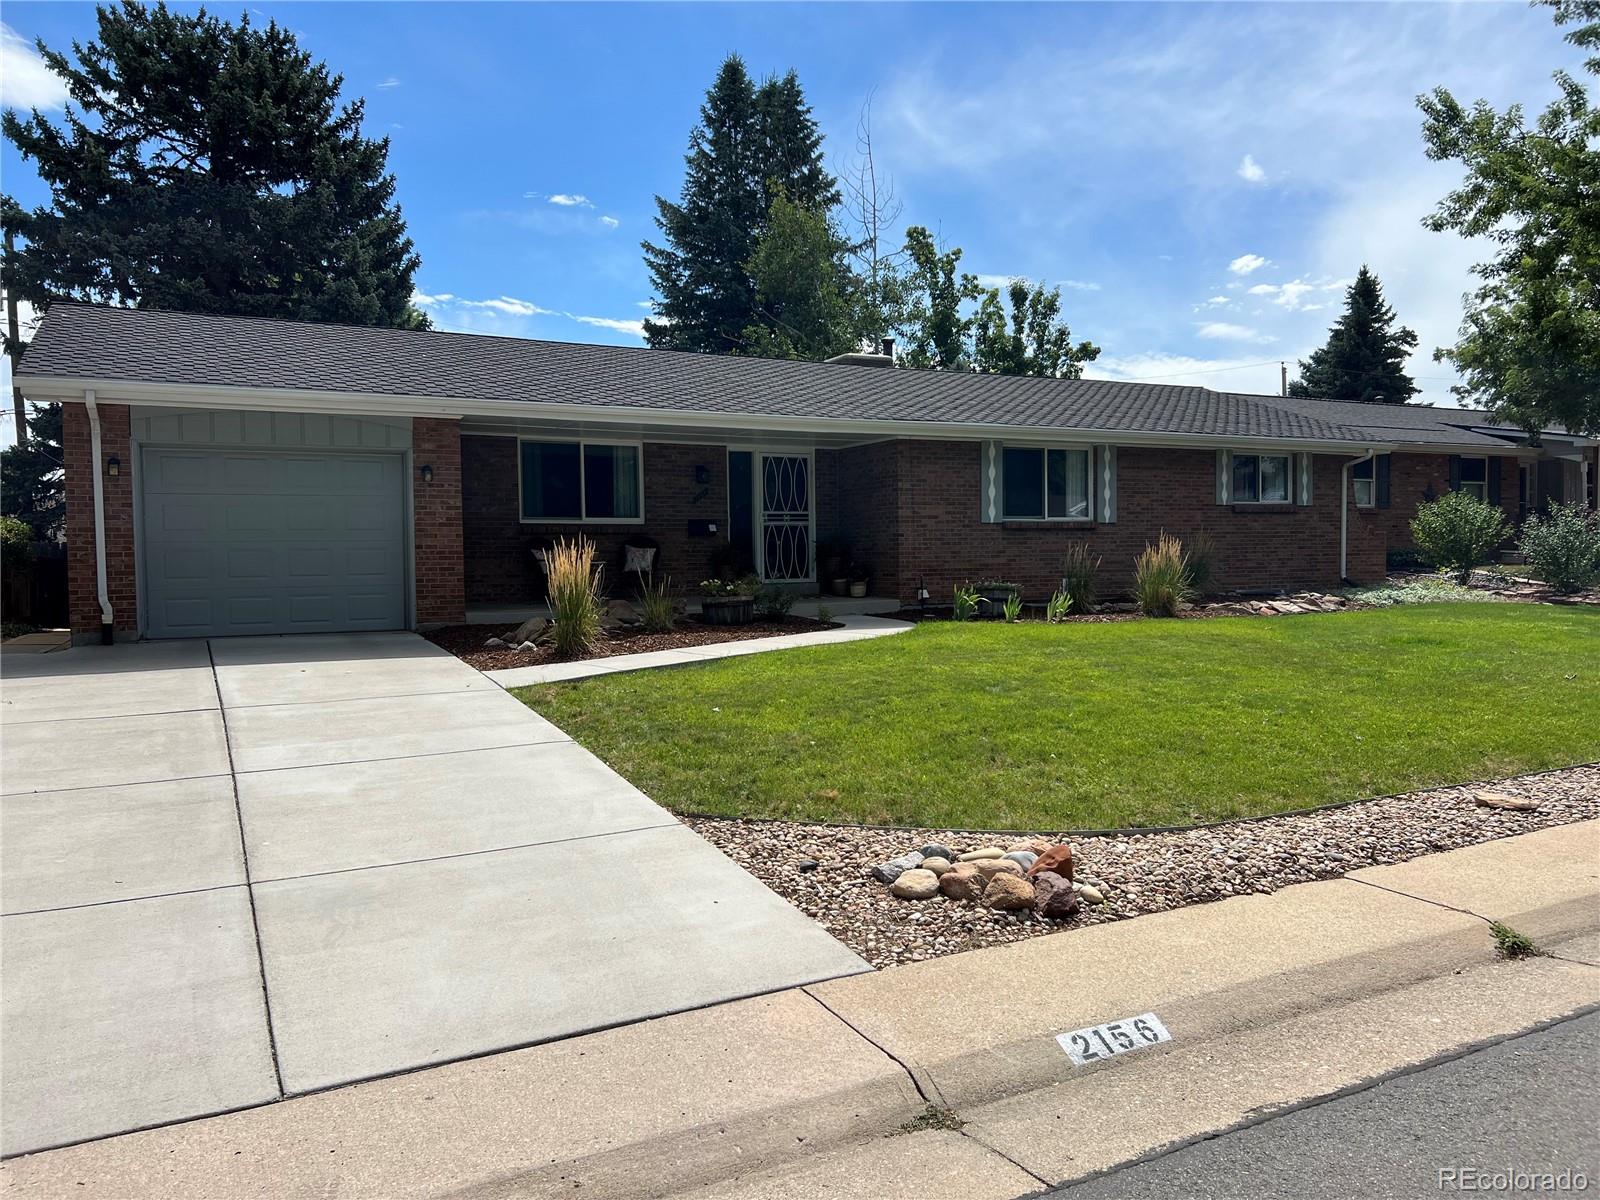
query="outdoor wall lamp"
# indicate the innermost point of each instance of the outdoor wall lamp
(427, 474)
(113, 466)
(702, 475)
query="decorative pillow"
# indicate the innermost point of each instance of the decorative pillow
(640, 559)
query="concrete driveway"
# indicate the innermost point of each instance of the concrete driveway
(247, 868)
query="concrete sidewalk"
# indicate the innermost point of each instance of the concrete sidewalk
(1270, 1000)
(854, 629)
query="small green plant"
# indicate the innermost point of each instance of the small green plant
(1078, 575)
(1405, 560)
(824, 614)
(1508, 943)
(574, 598)
(1424, 589)
(1011, 607)
(1564, 547)
(743, 586)
(1161, 578)
(966, 602)
(933, 1116)
(1202, 563)
(1458, 532)
(773, 601)
(657, 609)
(1057, 607)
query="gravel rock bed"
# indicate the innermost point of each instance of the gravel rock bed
(1142, 873)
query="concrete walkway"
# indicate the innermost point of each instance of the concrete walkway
(249, 868)
(854, 629)
(825, 1090)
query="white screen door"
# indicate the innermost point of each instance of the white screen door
(786, 518)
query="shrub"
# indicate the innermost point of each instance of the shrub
(16, 543)
(574, 598)
(745, 585)
(1406, 559)
(1458, 532)
(1202, 562)
(657, 609)
(1564, 547)
(773, 602)
(1078, 576)
(1057, 607)
(966, 602)
(1161, 578)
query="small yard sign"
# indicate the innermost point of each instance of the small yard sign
(1084, 1046)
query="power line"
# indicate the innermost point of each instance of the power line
(1271, 362)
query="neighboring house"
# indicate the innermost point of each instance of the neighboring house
(260, 476)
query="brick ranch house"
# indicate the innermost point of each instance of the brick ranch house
(230, 475)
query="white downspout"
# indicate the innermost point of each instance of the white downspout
(1344, 512)
(98, 470)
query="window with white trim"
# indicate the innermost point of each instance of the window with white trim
(1261, 478)
(1045, 483)
(580, 481)
(1474, 477)
(1361, 482)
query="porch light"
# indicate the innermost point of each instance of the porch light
(427, 474)
(113, 466)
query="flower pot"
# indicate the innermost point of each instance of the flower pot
(858, 588)
(840, 586)
(994, 600)
(727, 610)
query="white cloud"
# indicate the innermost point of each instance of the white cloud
(1004, 281)
(1250, 170)
(621, 326)
(1219, 374)
(610, 222)
(1216, 302)
(510, 316)
(389, 83)
(1224, 331)
(1080, 285)
(26, 82)
(569, 200)
(1246, 263)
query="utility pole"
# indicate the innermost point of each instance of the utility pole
(1283, 378)
(14, 350)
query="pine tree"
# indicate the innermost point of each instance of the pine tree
(1365, 357)
(750, 146)
(206, 166)
(32, 485)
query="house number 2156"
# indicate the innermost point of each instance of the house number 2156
(1084, 1046)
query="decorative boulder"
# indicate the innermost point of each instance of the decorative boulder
(1008, 893)
(1023, 858)
(962, 882)
(937, 865)
(623, 612)
(1090, 894)
(916, 884)
(494, 644)
(1053, 895)
(1034, 845)
(990, 867)
(890, 871)
(937, 850)
(1057, 859)
(977, 855)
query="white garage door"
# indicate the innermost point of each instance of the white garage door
(247, 541)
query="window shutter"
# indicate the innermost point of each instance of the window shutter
(1380, 475)
(1224, 475)
(989, 482)
(1302, 485)
(1455, 472)
(1108, 484)
(1494, 480)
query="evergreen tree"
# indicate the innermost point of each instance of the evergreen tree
(1365, 357)
(32, 486)
(805, 293)
(205, 166)
(1036, 341)
(750, 145)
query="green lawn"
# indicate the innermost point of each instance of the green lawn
(1111, 725)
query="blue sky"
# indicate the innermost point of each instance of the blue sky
(1201, 178)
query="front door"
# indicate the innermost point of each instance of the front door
(784, 535)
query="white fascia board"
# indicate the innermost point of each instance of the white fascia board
(52, 388)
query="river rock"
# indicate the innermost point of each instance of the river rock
(1090, 894)
(1057, 859)
(1053, 895)
(1023, 858)
(890, 871)
(962, 882)
(979, 855)
(990, 867)
(916, 884)
(1008, 893)
(938, 865)
(938, 850)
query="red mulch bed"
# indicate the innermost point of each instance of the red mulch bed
(466, 642)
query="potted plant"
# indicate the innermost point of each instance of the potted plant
(995, 594)
(728, 601)
(832, 574)
(860, 575)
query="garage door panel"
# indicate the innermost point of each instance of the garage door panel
(318, 546)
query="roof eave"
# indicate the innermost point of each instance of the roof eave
(70, 388)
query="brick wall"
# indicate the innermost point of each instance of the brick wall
(436, 521)
(500, 567)
(1416, 478)
(915, 510)
(77, 455)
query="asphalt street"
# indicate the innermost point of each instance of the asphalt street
(1500, 1118)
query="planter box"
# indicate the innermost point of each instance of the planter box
(727, 610)
(859, 588)
(996, 600)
